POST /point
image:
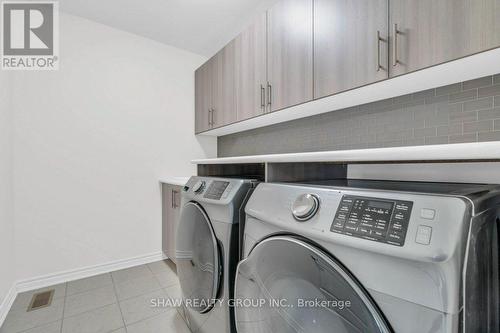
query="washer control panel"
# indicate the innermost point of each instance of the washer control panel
(380, 220)
(216, 189)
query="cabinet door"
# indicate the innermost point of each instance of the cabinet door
(350, 44)
(430, 32)
(203, 96)
(174, 220)
(290, 53)
(170, 218)
(224, 92)
(251, 76)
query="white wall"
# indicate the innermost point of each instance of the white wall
(91, 141)
(7, 274)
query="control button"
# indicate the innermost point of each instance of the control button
(347, 201)
(350, 228)
(342, 216)
(424, 234)
(305, 207)
(344, 208)
(395, 236)
(401, 206)
(378, 234)
(427, 214)
(339, 224)
(363, 231)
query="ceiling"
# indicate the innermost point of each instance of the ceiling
(199, 26)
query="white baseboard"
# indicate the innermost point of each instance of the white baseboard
(80, 273)
(7, 303)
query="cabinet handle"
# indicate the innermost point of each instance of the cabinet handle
(395, 33)
(209, 117)
(379, 39)
(262, 97)
(172, 198)
(175, 204)
(269, 95)
(213, 121)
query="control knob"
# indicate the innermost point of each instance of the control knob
(199, 186)
(305, 207)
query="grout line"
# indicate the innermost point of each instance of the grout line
(118, 303)
(64, 305)
(29, 329)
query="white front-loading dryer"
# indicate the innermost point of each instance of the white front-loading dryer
(207, 250)
(361, 256)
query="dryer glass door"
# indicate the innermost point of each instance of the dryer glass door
(288, 285)
(197, 258)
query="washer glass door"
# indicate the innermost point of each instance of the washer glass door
(288, 285)
(197, 258)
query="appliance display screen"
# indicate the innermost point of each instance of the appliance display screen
(380, 204)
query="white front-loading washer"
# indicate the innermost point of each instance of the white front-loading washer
(370, 256)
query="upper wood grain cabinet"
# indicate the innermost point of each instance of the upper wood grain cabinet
(203, 96)
(224, 105)
(290, 53)
(350, 44)
(215, 92)
(430, 32)
(251, 76)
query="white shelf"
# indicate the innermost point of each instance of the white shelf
(472, 67)
(449, 152)
(179, 181)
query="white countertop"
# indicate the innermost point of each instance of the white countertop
(179, 181)
(448, 152)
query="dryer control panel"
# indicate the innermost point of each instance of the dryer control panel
(380, 220)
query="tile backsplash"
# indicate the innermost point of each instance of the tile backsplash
(462, 112)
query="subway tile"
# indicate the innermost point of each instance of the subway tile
(489, 136)
(489, 91)
(402, 99)
(496, 79)
(478, 83)
(426, 113)
(489, 114)
(452, 129)
(415, 103)
(424, 94)
(456, 107)
(381, 105)
(414, 141)
(437, 140)
(463, 138)
(478, 126)
(423, 132)
(463, 96)
(449, 89)
(479, 104)
(463, 116)
(437, 100)
(497, 101)
(391, 136)
(437, 119)
(497, 124)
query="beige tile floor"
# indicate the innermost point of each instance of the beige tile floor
(117, 302)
